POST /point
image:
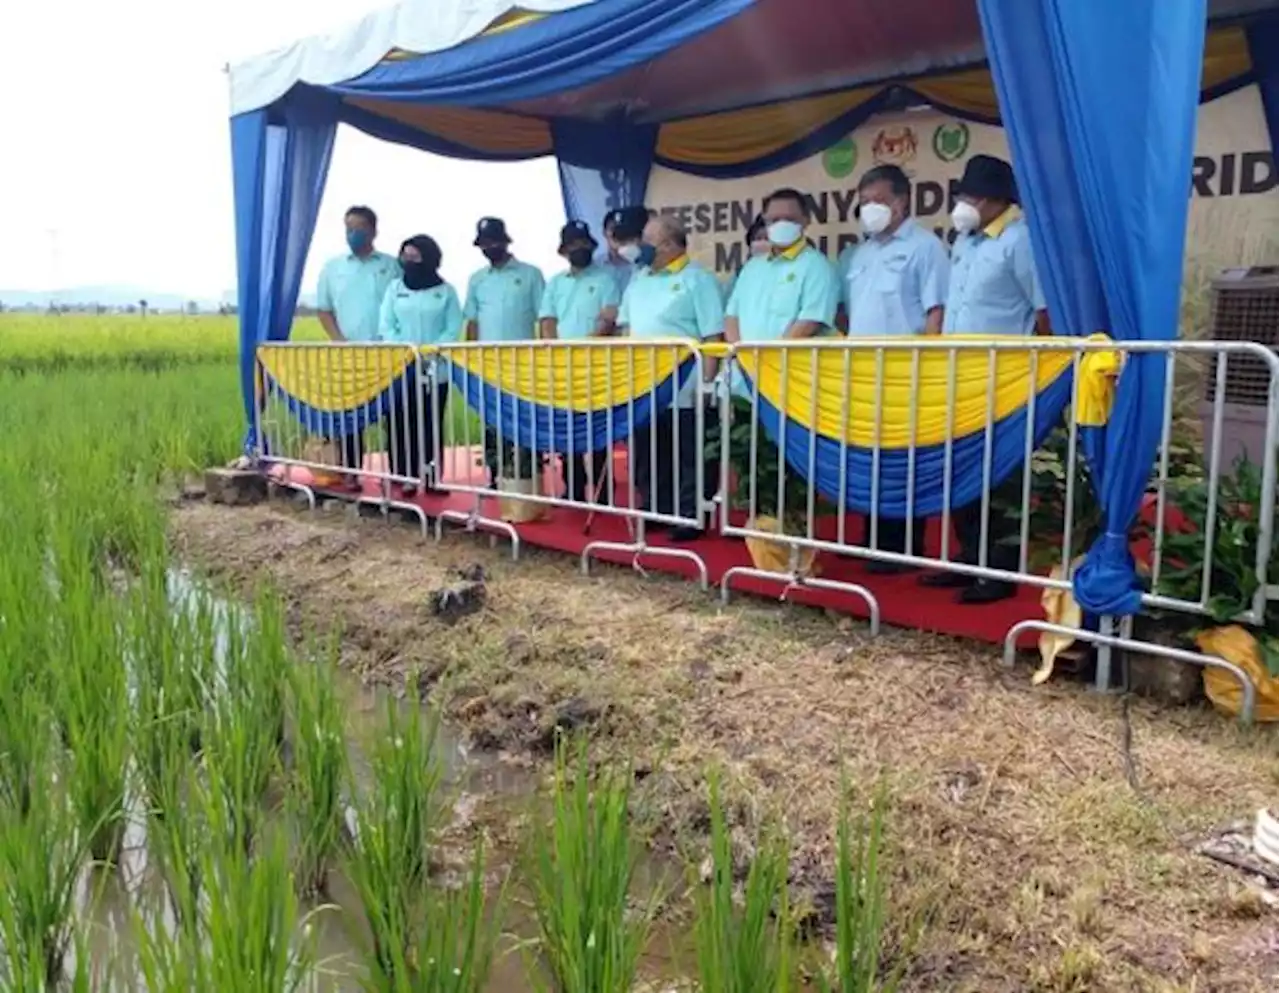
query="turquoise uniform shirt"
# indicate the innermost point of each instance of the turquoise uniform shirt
(994, 286)
(421, 317)
(351, 288)
(774, 291)
(680, 300)
(575, 300)
(503, 301)
(890, 284)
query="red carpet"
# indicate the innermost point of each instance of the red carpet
(903, 602)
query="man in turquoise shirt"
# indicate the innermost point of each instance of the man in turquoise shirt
(994, 291)
(501, 305)
(502, 298)
(349, 298)
(352, 286)
(672, 298)
(581, 302)
(792, 291)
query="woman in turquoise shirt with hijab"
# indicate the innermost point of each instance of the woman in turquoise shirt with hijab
(419, 308)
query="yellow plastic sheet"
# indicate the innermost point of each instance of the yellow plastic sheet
(1060, 607)
(1234, 644)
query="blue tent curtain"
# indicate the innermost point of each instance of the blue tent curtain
(1082, 85)
(1261, 36)
(603, 165)
(279, 162)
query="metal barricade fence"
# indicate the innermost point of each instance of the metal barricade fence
(523, 402)
(322, 406)
(931, 365)
(572, 403)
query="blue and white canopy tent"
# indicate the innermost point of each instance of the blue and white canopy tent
(726, 88)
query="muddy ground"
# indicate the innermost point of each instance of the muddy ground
(1046, 836)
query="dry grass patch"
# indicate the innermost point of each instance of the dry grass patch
(1045, 854)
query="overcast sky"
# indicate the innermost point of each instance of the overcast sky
(115, 156)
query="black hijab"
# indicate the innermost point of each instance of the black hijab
(422, 275)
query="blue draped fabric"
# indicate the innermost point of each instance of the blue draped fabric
(279, 162)
(1261, 35)
(1008, 452)
(555, 55)
(604, 165)
(1081, 86)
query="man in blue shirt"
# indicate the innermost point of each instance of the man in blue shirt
(994, 290)
(349, 299)
(581, 302)
(501, 305)
(673, 297)
(895, 286)
(623, 250)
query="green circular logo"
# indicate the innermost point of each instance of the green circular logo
(951, 141)
(840, 159)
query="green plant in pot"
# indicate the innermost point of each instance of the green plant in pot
(1233, 578)
(765, 514)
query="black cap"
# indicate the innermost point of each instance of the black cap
(576, 231)
(990, 177)
(492, 229)
(628, 222)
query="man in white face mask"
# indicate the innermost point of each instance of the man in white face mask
(792, 291)
(994, 291)
(895, 285)
(896, 281)
(994, 286)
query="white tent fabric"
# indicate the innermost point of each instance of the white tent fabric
(418, 26)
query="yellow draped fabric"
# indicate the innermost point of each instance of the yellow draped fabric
(580, 378)
(741, 135)
(936, 419)
(332, 378)
(730, 138)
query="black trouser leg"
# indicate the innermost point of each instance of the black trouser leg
(891, 535)
(663, 451)
(583, 473)
(1002, 533)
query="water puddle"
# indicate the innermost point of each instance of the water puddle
(472, 781)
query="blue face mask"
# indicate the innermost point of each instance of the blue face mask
(647, 252)
(358, 239)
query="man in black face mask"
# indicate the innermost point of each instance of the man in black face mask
(581, 302)
(501, 305)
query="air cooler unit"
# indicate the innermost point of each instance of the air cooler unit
(1243, 307)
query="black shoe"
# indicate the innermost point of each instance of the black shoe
(878, 567)
(686, 533)
(947, 581)
(987, 591)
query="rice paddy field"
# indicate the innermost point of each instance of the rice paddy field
(237, 754)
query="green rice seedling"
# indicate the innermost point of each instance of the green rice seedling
(583, 866)
(747, 947)
(251, 918)
(42, 856)
(860, 907)
(319, 777)
(93, 701)
(453, 953)
(395, 828)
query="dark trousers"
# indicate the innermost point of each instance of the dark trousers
(1002, 533)
(585, 475)
(662, 447)
(891, 535)
(506, 460)
(352, 446)
(412, 429)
